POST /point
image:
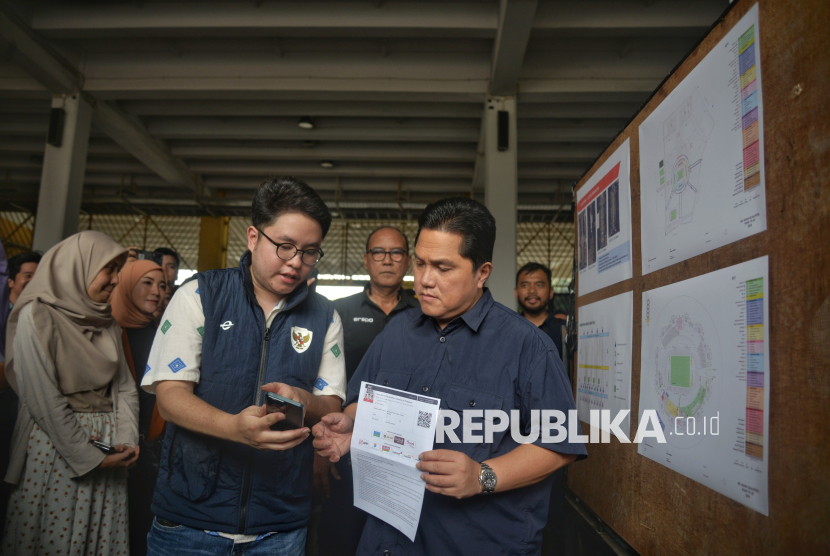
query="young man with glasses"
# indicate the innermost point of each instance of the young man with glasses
(228, 337)
(364, 316)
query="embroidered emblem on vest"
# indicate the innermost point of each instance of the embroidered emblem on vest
(300, 338)
(226, 325)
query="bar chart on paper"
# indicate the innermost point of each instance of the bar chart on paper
(604, 357)
(705, 371)
(702, 181)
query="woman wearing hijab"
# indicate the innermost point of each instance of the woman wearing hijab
(65, 359)
(140, 291)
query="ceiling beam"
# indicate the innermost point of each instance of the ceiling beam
(627, 15)
(23, 47)
(442, 131)
(295, 108)
(55, 73)
(352, 151)
(390, 18)
(515, 24)
(343, 169)
(131, 135)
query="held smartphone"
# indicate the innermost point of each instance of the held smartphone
(294, 412)
(142, 255)
(104, 447)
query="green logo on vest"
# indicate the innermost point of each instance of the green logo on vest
(335, 350)
(165, 327)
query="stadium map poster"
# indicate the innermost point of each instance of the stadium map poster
(702, 155)
(705, 370)
(604, 358)
(604, 218)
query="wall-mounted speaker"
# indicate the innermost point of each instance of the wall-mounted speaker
(504, 130)
(57, 118)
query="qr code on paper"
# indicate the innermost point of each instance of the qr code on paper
(424, 419)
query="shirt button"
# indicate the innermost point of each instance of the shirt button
(425, 388)
(386, 553)
(443, 339)
(386, 383)
(472, 403)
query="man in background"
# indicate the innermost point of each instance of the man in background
(534, 292)
(535, 295)
(364, 316)
(170, 263)
(21, 270)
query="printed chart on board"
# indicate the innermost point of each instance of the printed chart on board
(604, 218)
(705, 370)
(702, 155)
(604, 358)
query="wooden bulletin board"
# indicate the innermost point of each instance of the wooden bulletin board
(659, 511)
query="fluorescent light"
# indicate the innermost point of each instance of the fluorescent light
(327, 164)
(306, 123)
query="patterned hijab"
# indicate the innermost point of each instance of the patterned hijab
(124, 310)
(78, 333)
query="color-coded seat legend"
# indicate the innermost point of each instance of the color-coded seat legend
(749, 109)
(755, 368)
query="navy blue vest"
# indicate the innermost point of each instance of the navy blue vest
(216, 485)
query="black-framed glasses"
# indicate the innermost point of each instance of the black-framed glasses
(287, 251)
(379, 254)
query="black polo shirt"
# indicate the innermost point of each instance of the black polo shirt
(553, 328)
(363, 320)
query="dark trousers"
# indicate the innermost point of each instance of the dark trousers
(341, 524)
(140, 486)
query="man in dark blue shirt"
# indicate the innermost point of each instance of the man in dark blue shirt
(474, 354)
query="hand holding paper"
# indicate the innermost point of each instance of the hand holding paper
(450, 473)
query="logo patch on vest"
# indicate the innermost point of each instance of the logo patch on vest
(226, 325)
(300, 338)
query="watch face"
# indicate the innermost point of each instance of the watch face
(488, 479)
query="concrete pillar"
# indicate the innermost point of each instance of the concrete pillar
(213, 243)
(501, 197)
(62, 180)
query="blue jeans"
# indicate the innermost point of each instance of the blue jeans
(184, 541)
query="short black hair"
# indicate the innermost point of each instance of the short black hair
(376, 230)
(167, 251)
(533, 267)
(470, 219)
(17, 262)
(278, 196)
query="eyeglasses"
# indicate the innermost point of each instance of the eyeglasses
(287, 251)
(379, 254)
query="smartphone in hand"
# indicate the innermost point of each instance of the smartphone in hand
(294, 412)
(104, 447)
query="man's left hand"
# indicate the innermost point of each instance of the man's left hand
(450, 473)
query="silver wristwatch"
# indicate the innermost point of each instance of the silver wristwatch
(487, 479)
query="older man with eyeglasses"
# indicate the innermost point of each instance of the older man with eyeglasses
(364, 316)
(227, 482)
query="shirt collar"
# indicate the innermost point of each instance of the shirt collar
(404, 296)
(474, 317)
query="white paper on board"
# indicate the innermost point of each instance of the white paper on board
(705, 370)
(702, 181)
(604, 358)
(604, 223)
